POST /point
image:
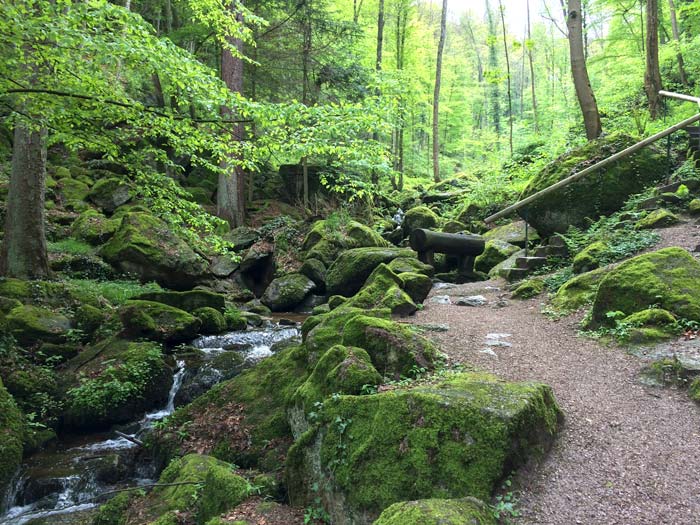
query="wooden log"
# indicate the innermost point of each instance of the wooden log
(451, 243)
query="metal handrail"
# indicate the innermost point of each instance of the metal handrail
(617, 156)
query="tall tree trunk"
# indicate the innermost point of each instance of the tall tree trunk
(230, 199)
(305, 89)
(401, 24)
(584, 92)
(677, 39)
(532, 69)
(494, 95)
(510, 95)
(436, 94)
(23, 253)
(378, 68)
(652, 76)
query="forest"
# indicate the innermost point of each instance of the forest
(390, 262)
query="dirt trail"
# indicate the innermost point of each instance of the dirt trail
(628, 453)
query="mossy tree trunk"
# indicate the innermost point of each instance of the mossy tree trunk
(23, 253)
(652, 76)
(436, 94)
(582, 83)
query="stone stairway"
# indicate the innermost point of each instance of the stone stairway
(555, 247)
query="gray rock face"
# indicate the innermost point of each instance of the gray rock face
(284, 293)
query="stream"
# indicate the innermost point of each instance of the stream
(64, 483)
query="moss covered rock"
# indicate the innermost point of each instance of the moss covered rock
(601, 193)
(510, 262)
(73, 192)
(188, 301)
(158, 321)
(395, 349)
(145, 246)
(93, 227)
(495, 252)
(31, 325)
(667, 278)
(202, 485)
(660, 218)
(383, 289)
(454, 227)
(316, 271)
(213, 321)
(11, 437)
(650, 326)
(115, 381)
(513, 233)
(110, 193)
(286, 292)
(694, 390)
(528, 289)
(410, 264)
(463, 511)
(590, 257)
(452, 438)
(416, 285)
(579, 291)
(352, 268)
(327, 238)
(419, 217)
(694, 207)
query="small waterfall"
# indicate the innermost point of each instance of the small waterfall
(170, 406)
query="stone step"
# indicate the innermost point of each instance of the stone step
(513, 274)
(541, 251)
(530, 263)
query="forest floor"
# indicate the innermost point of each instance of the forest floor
(628, 453)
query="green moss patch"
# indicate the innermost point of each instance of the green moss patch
(352, 268)
(464, 511)
(158, 321)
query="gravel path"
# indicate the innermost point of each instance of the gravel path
(628, 453)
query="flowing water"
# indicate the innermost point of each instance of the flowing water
(61, 485)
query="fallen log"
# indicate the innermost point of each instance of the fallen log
(466, 247)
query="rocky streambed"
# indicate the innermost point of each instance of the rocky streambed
(67, 481)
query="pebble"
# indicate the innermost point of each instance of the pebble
(434, 327)
(472, 300)
(497, 336)
(440, 299)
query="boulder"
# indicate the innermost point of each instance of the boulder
(223, 266)
(578, 291)
(73, 191)
(660, 218)
(590, 257)
(158, 322)
(115, 381)
(601, 193)
(419, 217)
(513, 233)
(93, 227)
(383, 289)
(498, 270)
(667, 278)
(110, 193)
(416, 285)
(145, 246)
(694, 207)
(316, 271)
(329, 237)
(495, 252)
(351, 269)
(320, 332)
(242, 237)
(213, 321)
(454, 437)
(528, 289)
(395, 350)
(410, 264)
(257, 267)
(463, 511)
(188, 301)
(31, 325)
(11, 436)
(286, 292)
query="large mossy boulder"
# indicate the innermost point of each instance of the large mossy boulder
(660, 218)
(590, 258)
(352, 268)
(578, 291)
(495, 251)
(385, 289)
(395, 349)
(286, 292)
(188, 301)
(115, 381)
(512, 233)
(463, 511)
(667, 278)
(145, 246)
(93, 227)
(250, 410)
(11, 437)
(327, 238)
(320, 332)
(73, 192)
(452, 438)
(110, 193)
(600, 193)
(419, 217)
(31, 325)
(410, 264)
(158, 322)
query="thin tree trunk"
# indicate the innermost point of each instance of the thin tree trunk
(230, 199)
(378, 68)
(356, 9)
(494, 94)
(532, 69)
(584, 92)
(305, 66)
(510, 95)
(677, 39)
(23, 253)
(652, 76)
(436, 94)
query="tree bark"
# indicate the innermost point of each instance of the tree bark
(230, 199)
(23, 253)
(510, 95)
(378, 68)
(652, 76)
(532, 69)
(584, 92)
(677, 39)
(494, 91)
(436, 94)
